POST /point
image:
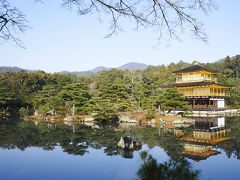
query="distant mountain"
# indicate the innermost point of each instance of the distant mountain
(13, 69)
(99, 68)
(133, 66)
(220, 61)
(87, 73)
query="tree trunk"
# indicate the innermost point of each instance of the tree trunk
(73, 110)
(73, 129)
(139, 102)
(159, 108)
(5, 112)
(237, 72)
(159, 132)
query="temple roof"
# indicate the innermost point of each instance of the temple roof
(194, 68)
(200, 156)
(190, 84)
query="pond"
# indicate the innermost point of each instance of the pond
(49, 150)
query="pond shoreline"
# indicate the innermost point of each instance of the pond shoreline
(227, 112)
(125, 118)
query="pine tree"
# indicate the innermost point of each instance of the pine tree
(103, 109)
(171, 99)
(44, 99)
(149, 104)
(75, 95)
(111, 86)
(7, 97)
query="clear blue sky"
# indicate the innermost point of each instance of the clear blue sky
(61, 40)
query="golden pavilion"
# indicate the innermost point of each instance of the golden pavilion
(200, 88)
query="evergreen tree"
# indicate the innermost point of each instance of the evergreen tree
(103, 109)
(233, 100)
(149, 104)
(236, 64)
(228, 67)
(7, 97)
(35, 81)
(75, 95)
(112, 87)
(171, 99)
(47, 99)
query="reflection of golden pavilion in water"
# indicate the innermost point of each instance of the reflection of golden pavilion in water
(198, 152)
(178, 132)
(209, 131)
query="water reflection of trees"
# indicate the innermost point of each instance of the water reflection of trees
(24, 134)
(232, 147)
(77, 139)
(176, 168)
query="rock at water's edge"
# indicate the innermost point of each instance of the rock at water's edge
(89, 119)
(128, 143)
(69, 118)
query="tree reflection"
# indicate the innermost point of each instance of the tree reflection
(24, 134)
(15, 133)
(178, 168)
(232, 147)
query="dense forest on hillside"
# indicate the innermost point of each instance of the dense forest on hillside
(106, 92)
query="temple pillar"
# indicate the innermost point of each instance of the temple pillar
(193, 103)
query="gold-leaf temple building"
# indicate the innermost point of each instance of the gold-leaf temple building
(200, 88)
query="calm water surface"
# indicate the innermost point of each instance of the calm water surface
(52, 151)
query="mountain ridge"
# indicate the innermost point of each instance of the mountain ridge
(14, 69)
(131, 66)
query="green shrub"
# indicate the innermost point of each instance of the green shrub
(43, 108)
(23, 111)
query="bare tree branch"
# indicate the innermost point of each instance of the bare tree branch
(170, 17)
(12, 22)
(173, 16)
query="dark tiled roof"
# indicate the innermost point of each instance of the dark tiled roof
(203, 83)
(195, 158)
(194, 68)
(199, 157)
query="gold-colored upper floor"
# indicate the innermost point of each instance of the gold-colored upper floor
(196, 77)
(197, 148)
(203, 91)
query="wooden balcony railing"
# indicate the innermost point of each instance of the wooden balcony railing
(205, 94)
